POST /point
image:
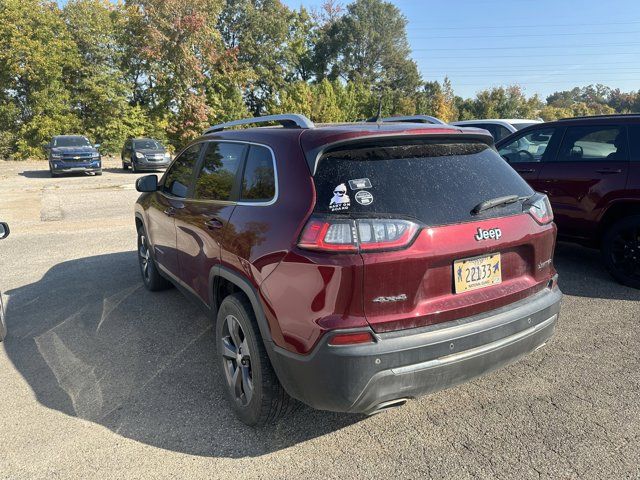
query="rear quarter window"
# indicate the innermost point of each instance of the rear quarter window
(258, 179)
(435, 183)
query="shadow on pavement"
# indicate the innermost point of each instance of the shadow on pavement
(47, 174)
(94, 344)
(35, 174)
(582, 273)
(130, 172)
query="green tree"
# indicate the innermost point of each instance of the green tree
(295, 97)
(438, 100)
(37, 58)
(325, 106)
(259, 31)
(99, 94)
(509, 102)
(368, 44)
(180, 48)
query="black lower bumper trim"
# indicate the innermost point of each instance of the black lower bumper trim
(407, 364)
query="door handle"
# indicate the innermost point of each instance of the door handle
(609, 171)
(170, 212)
(525, 170)
(213, 223)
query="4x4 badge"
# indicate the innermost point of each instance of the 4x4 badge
(492, 233)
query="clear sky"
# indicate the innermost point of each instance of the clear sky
(542, 45)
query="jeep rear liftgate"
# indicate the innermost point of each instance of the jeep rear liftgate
(435, 243)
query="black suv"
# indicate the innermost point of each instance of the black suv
(73, 154)
(144, 154)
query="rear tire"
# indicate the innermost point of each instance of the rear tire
(252, 388)
(133, 167)
(621, 251)
(151, 277)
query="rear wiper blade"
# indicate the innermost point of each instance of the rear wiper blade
(494, 202)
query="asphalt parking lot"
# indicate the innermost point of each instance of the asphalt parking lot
(101, 379)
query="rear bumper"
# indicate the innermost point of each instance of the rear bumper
(410, 363)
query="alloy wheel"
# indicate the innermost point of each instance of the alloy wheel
(625, 252)
(144, 257)
(237, 360)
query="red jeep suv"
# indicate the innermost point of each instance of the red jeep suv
(589, 168)
(353, 266)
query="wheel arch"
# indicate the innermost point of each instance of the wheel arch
(615, 212)
(219, 275)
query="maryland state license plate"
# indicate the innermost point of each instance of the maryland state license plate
(477, 272)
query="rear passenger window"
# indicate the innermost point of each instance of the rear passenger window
(258, 181)
(593, 144)
(634, 142)
(218, 173)
(179, 176)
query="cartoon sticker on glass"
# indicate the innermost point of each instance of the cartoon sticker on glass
(340, 200)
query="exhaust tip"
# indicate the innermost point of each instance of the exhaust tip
(384, 406)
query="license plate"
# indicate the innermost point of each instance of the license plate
(477, 272)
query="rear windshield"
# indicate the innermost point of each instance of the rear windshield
(435, 183)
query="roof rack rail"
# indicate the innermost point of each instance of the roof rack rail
(288, 120)
(412, 119)
(608, 115)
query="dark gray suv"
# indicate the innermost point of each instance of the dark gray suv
(144, 154)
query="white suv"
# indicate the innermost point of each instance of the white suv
(499, 128)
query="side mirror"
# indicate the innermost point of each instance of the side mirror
(4, 230)
(148, 183)
(97, 145)
(46, 145)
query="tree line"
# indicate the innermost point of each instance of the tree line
(169, 68)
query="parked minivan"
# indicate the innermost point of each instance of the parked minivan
(351, 267)
(589, 167)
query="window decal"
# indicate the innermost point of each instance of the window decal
(340, 200)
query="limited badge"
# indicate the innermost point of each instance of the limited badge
(360, 183)
(364, 198)
(340, 200)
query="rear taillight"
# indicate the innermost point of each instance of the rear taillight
(539, 208)
(365, 235)
(329, 235)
